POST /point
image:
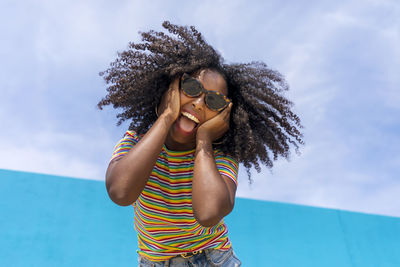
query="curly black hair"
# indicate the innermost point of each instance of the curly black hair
(262, 125)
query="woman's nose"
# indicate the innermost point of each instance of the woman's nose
(198, 102)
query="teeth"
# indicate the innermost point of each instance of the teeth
(190, 116)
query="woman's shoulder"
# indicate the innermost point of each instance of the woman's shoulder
(131, 134)
(219, 154)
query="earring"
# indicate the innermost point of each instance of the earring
(217, 143)
(156, 111)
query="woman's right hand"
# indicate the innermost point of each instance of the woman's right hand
(170, 102)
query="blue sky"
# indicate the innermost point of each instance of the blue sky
(341, 59)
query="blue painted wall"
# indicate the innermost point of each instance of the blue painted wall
(58, 221)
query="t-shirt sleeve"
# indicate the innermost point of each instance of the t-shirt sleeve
(125, 144)
(227, 166)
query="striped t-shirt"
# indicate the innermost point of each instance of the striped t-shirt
(164, 218)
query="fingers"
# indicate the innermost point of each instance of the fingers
(170, 101)
(174, 98)
(228, 109)
(226, 113)
(175, 84)
(219, 125)
(174, 89)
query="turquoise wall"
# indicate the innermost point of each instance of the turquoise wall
(58, 221)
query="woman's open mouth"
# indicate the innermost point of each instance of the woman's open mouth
(187, 123)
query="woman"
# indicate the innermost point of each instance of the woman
(194, 119)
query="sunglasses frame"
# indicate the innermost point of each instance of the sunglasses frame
(185, 76)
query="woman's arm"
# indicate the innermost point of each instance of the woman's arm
(127, 176)
(213, 194)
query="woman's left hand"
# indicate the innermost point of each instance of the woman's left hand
(216, 127)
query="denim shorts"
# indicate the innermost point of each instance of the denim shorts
(209, 257)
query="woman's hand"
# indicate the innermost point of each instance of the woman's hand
(216, 127)
(170, 102)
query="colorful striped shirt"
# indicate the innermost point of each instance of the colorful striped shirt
(164, 218)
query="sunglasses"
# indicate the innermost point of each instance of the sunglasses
(214, 100)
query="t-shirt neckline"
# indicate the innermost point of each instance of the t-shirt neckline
(178, 153)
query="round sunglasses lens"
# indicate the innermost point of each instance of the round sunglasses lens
(215, 101)
(191, 87)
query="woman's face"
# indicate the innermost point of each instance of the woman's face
(194, 112)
